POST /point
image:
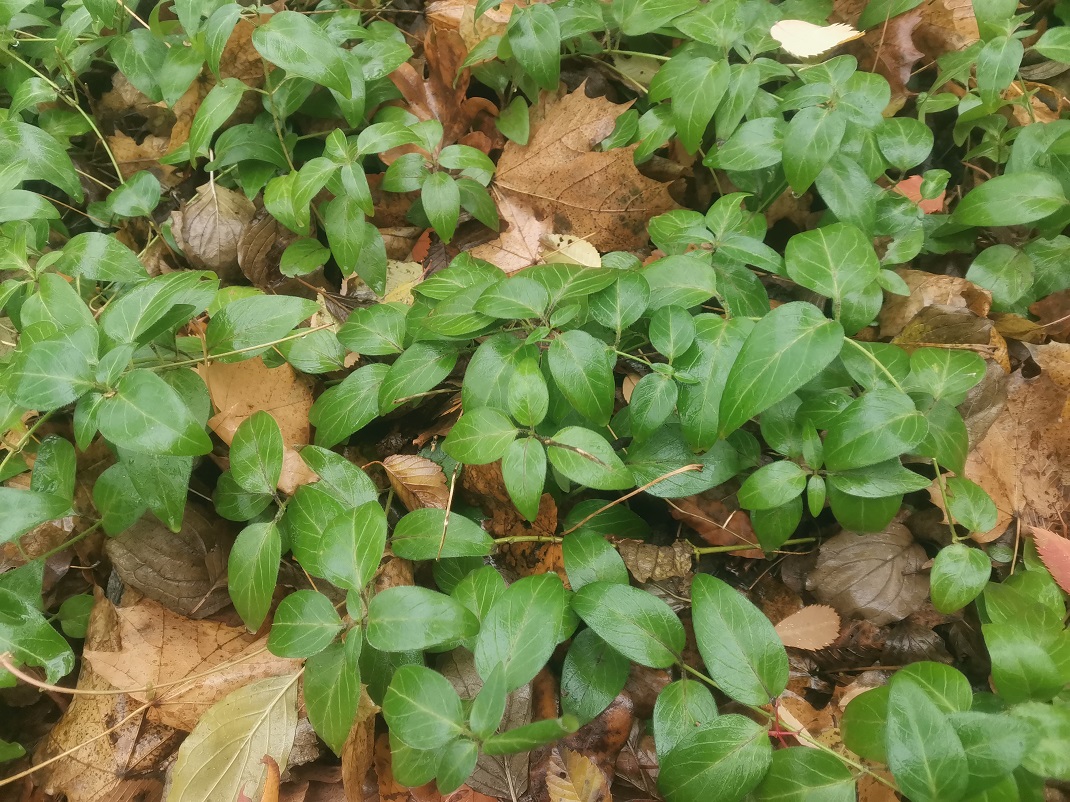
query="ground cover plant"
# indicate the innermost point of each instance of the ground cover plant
(548, 401)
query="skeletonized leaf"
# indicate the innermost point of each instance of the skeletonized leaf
(224, 752)
(574, 777)
(804, 39)
(418, 481)
(813, 627)
(1054, 552)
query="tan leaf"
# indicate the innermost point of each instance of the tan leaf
(950, 326)
(418, 481)
(460, 16)
(946, 25)
(260, 248)
(271, 782)
(573, 777)
(185, 570)
(569, 250)
(209, 227)
(813, 627)
(648, 562)
(359, 749)
(716, 522)
(558, 183)
(187, 665)
(238, 389)
(877, 576)
(927, 289)
(1024, 459)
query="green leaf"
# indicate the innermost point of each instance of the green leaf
(640, 626)
(425, 535)
(348, 407)
(724, 760)
(339, 477)
(643, 16)
(812, 138)
(353, 545)
(738, 644)
(516, 297)
(1010, 200)
(51, 373)
(887, 478)
(302, 257)
(377, 330)
(38, 156)
(1023, 667)
(785, 349)
(863, 724)
(55, 467)
(145, 414)
(802, 774)
(422, 709)
(441, 198)
(755, 145)
(99, 257)
(682, 707)
(970, 505)
(1049, 753)
(958, 576)
(835, 261)
(521, 629)
(1004, 271)
(587, 459)
(295, 43)
(256, 453)
(416, 371)
(622, 303)
(480, 436)
(593, 675)
(581, 369)
(944, 373)
(456, 761)
(74, 613)
(772, 485)
(1055, 44)
(683, 280)
(589, 558)
(529, 398)
(253, 570)
(332, 690)
(879, 425)
(534, 36)
(409, 618)
(995, 744)
(514, 121)
(653, 401)
(489, 705)
(697, 91)
(947, 688)
(305, 623)
(30, 639)
(253, 324)
(924, 753)
(717, 344)
(672, 330)
(216, 108)
(135, 198)
(524, 474)
(526, 738)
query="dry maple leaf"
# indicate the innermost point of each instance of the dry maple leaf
(1054, 552)
(185, 666)
(558, 183)
(417, 481)
(813, 627)
(208, 228)
(238, 389)
(1022, 462)
(573, 777)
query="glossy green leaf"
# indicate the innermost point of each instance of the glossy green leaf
(353, 545)
(879, 425)
(724, 760)
(422, 709)
(1011, 199)
(958, 576)
(589, 558)
(586, 458)
(407, 618)
(251, 325)
(416, 371)
(802, 774)
(348, 407)
(643, 16)
(145, 414)
(524, 474)
(295, 43)
(653, 401)
(812, 138)
(441, 200)
(101, 258)
(332, 690)
(593, 675)
(534, 36)
(256, 453)
(253, 570)
(30, 639)
(480, 436)
(526, 738)
(638, 625)
(834, 261)
(305, 623)
(682, 708)
(970, 505)
(772, 485)
(924, 752)
(582, 371)
(427, 534)
(489, 705)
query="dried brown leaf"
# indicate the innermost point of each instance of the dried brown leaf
(238, 389)
(936, 326)
(648, 562)
(417, 481)
(358, 752)
(573, 777)
(876, 576)
(186, 666)
(460, 16)
(928, 289)
(557, 183)
(208, 228)
(185, 570)
(887, 49)
(946, 25)
(1054, 552)
(813, 627)
(260, 247)
(717, 523)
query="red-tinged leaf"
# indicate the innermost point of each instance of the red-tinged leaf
(1054, 552)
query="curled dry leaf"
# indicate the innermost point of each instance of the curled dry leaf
(160, 650)
(716, 522)
(602, 738)
(125, 765)
(648, 562)
(876, 576)
(1023, 462)
(417, 481)
(223, 755)
(260, 250)
(1054, 552)
(813, 627)
(358, 752)
(573, 777)
(936, 326)
(927, 289)
(460, 16)
(558, 183)
(208, 229)
(238, 389)
(186, 570)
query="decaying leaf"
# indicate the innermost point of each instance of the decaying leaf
(928, 289)
(648, 562)
(186, 570)
(1054, 551)
(557, 183)
(876, 576)
(718, 524)
(417, 481)
(460, 16)
(223, 755)
(573, 777)
(887, 49)
(238, 389)
(1022, 460)
(208, 229)
(946, 25)
(159, 651)
(958, 328)
(813, 627)
(260, 247)
(358, 752)
(569, 250)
